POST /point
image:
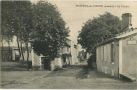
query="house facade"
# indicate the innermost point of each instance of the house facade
(118, 55)
(64, 58)
(75, 48)
(10, 48)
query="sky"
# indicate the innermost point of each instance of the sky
(75, 12)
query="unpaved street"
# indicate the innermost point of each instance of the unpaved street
(69, 78)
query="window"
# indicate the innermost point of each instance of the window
(105, 53)
(102, 53)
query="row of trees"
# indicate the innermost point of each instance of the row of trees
(97, 30)
(39, 24)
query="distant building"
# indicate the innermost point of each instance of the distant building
(118, 55)
(74, 51)
(82, 55)
(68, 56)
(10, 47)
(64, 58)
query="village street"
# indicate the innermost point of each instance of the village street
(68, 44)
(73, 77)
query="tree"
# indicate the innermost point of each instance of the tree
(97, 30)
(16, 20)
(49, 31)
(6, 29)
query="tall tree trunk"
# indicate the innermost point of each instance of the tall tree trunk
(20, 44)
(27, 51)
(21, 48)
(2, 49)
(9, 48)
(9, 52)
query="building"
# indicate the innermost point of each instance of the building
(64, 58)
(68, 55)
(118, 55)
(38, 61)
(82, 55)
(10, 47)
(75, 48)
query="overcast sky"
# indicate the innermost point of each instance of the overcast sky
(75, 17)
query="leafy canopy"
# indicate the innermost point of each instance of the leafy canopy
(97, 30)
(39, 23)
(16, 18)
(49, 31)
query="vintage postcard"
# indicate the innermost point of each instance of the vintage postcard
(68, 44)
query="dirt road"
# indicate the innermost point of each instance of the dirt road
(69, 78)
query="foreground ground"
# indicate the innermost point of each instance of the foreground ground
(73, 77)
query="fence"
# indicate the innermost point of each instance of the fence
(6, 53)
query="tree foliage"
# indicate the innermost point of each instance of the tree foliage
(39, 23)
(49, 31)
(97, 30)
(15, 17)
(6, 19)
(16, 21)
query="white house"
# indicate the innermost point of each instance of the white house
(117, 56)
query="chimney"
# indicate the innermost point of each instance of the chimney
(126, 21)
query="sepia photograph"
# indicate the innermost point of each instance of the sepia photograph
(68, 44)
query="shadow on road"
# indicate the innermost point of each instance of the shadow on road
(84, 73)
(78, 71)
